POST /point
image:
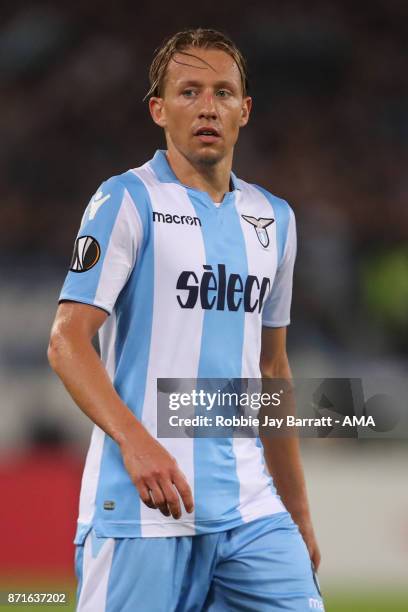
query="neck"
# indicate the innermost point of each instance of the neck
(215, 180)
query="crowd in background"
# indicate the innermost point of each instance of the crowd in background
(328, 133)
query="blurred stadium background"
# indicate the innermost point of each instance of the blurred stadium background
(329, 133)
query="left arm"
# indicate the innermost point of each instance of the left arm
(282, 454)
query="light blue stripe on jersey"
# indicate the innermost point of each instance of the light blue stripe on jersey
(281, 210)
(100, 227)
(134, 302)
(221, 353)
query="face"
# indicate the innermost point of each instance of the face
(202, 107)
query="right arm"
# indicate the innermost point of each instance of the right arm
(74, 359)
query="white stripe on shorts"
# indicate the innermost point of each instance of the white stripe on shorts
(95, 575)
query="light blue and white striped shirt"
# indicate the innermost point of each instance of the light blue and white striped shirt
(188, 286)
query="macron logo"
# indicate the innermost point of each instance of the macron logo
(178, 219)
(96, 203)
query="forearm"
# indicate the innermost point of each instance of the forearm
(282, 456)
(152, 469)
(282, 453)
(83, 374)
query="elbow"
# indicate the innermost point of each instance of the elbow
(55, 350)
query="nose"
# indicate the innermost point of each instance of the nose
(208, 108)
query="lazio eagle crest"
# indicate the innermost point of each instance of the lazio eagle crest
(260, 226)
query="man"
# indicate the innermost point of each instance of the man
(186, 272)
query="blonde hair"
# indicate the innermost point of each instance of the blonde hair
(193, 38)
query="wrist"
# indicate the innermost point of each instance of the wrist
(305, 525)
(130, 433)
(301, 517)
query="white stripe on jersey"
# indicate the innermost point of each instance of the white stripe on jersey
(126, 236)
(183, 351)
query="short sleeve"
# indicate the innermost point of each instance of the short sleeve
(105, 249)
(276, 311)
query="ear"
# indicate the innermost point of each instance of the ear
(157, 111)
(245, 111)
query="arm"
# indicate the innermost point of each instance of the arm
(74, 359)
(282, 454)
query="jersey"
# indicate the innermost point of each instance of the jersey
(187, 286)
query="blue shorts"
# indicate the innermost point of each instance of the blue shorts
(262, 565)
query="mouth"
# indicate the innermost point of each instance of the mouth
(207, 134)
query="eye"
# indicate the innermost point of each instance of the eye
(223, 93)
(188, 93)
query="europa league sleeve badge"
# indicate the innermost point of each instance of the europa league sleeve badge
(86, 254)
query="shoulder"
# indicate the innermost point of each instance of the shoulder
(130, 187)
(278, 203)
(281, 208)
(118, 183)
(112, 187)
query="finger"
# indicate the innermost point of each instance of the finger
(146, 497)
(184, 490)
(158, 497)
(164, 509)
(316, 560)
(172, 498)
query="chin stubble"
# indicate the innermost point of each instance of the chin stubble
(207, 161)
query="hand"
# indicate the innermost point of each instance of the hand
(306, 529)
(156, 475)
